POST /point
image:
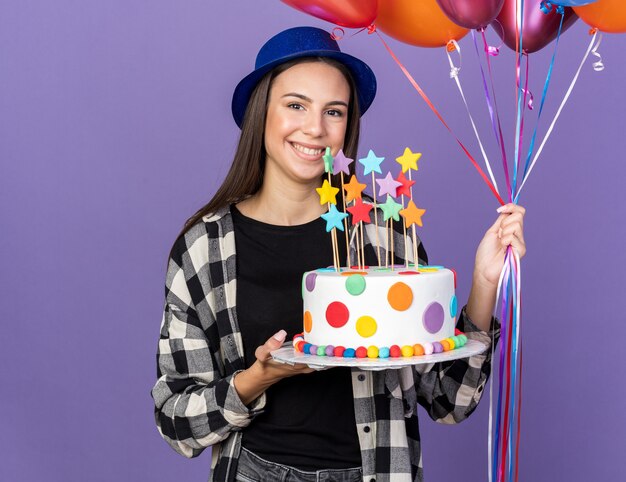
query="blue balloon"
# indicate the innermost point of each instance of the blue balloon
(570, 3)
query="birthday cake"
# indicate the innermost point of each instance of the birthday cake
(379, 312)
(383, 311)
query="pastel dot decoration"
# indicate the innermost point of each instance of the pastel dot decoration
(400, 296)
(433, 317)
(453, 306)
(451, 343)
(366, 326)
(337, 314)
(309, 281)
(355, 284)
(308, 321)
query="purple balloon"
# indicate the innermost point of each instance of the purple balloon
(471, 13)
(538, 29)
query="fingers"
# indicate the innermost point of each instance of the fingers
(511, 208)
(512, 240)
(262, 353)
(510, 227)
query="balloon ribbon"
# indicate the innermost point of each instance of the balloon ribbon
(439, 116)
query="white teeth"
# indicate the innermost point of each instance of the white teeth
(307, 151)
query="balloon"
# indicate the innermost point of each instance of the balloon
(347, 13)
(538, 30)
(606, 15)
(471, 13)
(417, 22)
(572, 3)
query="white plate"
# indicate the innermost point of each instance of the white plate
(287, 354)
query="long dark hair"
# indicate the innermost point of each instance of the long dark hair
(245, 176)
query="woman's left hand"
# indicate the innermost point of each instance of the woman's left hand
(508, 230)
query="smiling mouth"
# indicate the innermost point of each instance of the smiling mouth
(306, 150)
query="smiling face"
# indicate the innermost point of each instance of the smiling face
(307, 111)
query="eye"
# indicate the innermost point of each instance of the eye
(335, 113)
(295, 106)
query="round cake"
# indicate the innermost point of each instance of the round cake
(379, 312)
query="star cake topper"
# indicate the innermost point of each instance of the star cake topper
(409, 159)
(327, 193)
(371, 163)
(334, 219)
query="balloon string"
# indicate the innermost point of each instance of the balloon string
(439, 116)
(598, 66)
(501, 381)
(499, 135)
(490, 446)
(515, 374)
(543, 98)
(518, 61)
(514, 367)
(558, 113)
(454, 74)
(520, 144)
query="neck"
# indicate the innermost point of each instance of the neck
(284, 204)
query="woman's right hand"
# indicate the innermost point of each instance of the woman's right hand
(266, 371)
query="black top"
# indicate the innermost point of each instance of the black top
(308, 422)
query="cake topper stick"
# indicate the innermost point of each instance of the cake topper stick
(341, 164)
(376, 219)
(415, 259)
(408, 161)
(372, 163)
(387, 244)
(391, 209)
(389, 186)
(406, 245)
(328, 167)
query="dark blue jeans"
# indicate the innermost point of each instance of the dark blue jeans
(252, 468)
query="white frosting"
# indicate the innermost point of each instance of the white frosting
(392, 326)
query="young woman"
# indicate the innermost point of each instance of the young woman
(233, 296)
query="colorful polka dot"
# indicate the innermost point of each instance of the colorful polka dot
(308, 321)
(359, 267)
(366, 326)
(407, 351)
(418, 350)
(408, 272)
(454, 273)
(310, 281)
(433, 317)
(337, 314)
(400, 296)
(355, 284)
(428, 348)
(352, 273)
(453, 306)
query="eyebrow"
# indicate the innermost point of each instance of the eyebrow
(307, 99)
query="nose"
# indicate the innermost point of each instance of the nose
(313, 124)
